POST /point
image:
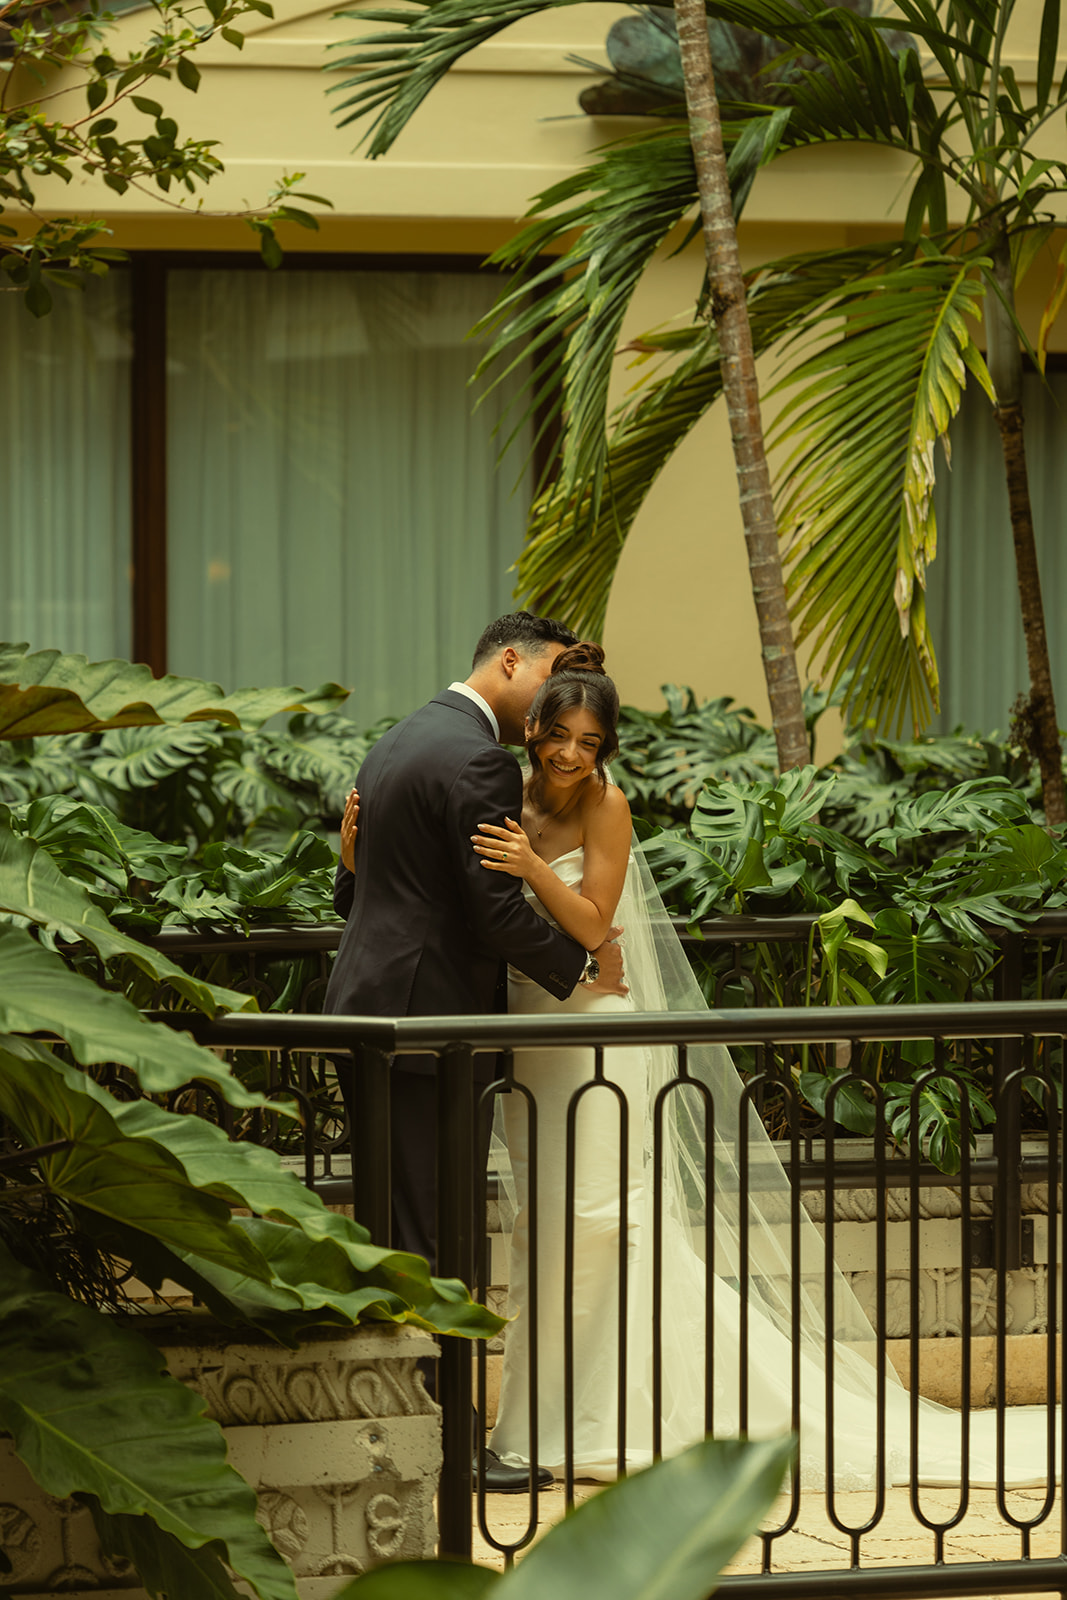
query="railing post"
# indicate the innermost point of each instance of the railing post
(1007, 1126)
(456, 1259)
(369, 1141)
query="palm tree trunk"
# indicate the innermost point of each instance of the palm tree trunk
(1006, 370)
(730, 311)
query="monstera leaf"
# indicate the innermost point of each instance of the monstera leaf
(90, 843)
(324, 753)
(48, 692)
(138, 758)
(87, 1403)
(972, 807)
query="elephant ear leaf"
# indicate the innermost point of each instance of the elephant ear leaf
(39, 993)
(323, 1265)
(667, 1531)
(86, 1401)
(116, 1178)
(48, 692)
(32, 886)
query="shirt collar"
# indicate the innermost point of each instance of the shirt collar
(483, 705)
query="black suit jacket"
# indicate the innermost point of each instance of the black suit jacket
(427, 926)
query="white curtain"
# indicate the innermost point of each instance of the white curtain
(335, 506)
(64, 490)
(973, 596)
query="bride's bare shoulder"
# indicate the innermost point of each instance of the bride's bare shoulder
(606, 808)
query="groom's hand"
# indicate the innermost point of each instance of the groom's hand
(609, 956)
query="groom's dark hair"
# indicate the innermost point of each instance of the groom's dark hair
(527, 634)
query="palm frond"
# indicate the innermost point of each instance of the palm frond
(394, 71)
(566, 297)
(572, 550)
(568, 562)
(856, 493)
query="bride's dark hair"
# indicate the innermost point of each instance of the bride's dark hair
(577, 680)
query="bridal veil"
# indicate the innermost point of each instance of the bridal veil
(737, 1321)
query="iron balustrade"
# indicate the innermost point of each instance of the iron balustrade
(722, 931)
(1032, 958)
(301, 1044)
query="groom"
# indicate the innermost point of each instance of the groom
(428, 930)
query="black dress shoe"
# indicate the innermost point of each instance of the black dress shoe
(502, 1479)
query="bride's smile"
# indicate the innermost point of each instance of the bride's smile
(569, 753)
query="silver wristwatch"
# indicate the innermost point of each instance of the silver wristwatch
(591, 970)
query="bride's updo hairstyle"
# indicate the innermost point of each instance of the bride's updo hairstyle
(577, 681)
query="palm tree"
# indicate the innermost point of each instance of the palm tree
(728, 306)
(876, 342)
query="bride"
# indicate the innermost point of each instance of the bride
(656, 1206)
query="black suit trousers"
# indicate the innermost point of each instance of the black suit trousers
(413, 1115)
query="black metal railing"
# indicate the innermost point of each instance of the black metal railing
(1032, 963)
(1014, 1038)
(749, 961)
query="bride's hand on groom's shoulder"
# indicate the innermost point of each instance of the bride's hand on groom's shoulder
(349, 830)
(504, 849)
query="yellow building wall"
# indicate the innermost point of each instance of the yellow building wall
(502, 127)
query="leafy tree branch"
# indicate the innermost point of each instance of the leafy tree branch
(43, 136)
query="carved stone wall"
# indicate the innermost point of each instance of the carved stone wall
(1032, 1293)
(942, 1246)
(340, 1439)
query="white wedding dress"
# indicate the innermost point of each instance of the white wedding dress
(770, 1357)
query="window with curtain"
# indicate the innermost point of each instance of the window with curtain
(335, 507)
(64, 491)
(972, 593)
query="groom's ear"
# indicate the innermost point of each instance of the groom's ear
(509, 660)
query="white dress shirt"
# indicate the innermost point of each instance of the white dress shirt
(472, 694)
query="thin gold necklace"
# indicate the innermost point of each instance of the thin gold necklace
(554, 816)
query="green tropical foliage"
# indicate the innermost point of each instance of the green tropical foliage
(666, 757)
(49, 692)
(87, 1401)
(99, 1182)
(99, 1026)
(864, 417)
(908, 858)
(908, 915)
(193, 821)
(35, 888)
(665, 1532)
(575, 536)
(197, 783)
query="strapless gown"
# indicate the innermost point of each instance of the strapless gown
(688, 1354)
